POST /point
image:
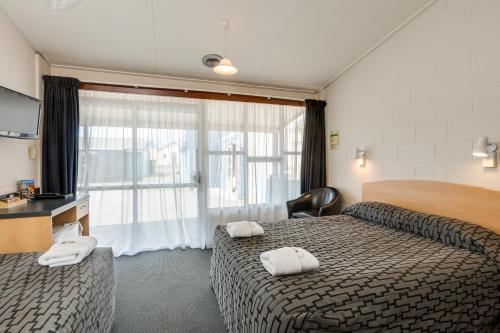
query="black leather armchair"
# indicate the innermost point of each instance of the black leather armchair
(318, 202)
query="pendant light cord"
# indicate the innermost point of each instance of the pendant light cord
(226, 28)
(225, 45)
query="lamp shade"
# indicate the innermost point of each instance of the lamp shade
(225, 67)
(480, 147)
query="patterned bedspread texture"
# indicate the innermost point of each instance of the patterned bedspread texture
(382, 269)
(75, 298)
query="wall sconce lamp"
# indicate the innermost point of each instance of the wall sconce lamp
(485, 150)
(359, 155)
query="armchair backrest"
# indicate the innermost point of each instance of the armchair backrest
(322, 196)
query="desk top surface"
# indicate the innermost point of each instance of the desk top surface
(45, 207)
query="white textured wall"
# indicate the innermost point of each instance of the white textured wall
(14, 163)
(17, 72)
(417, 102)
(17, 59)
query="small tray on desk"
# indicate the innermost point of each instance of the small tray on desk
(9, 204)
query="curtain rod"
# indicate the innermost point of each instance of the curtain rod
(188, 94)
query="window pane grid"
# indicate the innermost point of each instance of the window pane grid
(144, 152)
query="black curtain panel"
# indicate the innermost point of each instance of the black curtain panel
(60, 134)
(313, 169)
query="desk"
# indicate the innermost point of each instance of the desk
(29, 228)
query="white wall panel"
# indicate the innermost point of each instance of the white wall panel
(429, 92)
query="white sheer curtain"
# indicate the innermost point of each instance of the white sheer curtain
(252, 160)
(163, 172)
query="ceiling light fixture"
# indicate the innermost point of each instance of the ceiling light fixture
(225, 66)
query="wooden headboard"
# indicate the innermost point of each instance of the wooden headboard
(473, 204)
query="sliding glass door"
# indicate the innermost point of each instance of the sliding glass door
(163, 172)
(138, 161)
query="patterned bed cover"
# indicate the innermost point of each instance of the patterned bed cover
(382, 269)
(76, 298)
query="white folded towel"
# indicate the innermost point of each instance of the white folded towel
(288, 260)
(244, 229)
(68, 251)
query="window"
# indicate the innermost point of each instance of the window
(251, 159)
(144, 159)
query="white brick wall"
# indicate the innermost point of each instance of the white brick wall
(419, 100)
(15, 163)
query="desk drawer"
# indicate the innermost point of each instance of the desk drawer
(82, 210)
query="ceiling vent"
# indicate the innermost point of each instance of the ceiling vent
(211, 60)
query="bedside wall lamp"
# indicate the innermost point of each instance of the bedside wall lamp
(359, 155)
(485, 150)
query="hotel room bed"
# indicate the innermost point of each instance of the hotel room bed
(75, 298)
(382, 268)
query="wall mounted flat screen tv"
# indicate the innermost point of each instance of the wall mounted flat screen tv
(19, 115)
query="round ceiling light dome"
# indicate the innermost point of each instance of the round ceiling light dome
(225, 67)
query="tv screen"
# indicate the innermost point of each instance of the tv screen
(19, 115)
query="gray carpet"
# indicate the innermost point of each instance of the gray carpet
(166, 291)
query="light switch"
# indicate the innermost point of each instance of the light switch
(32, 152)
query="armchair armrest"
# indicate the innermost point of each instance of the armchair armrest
(332, 208)
(301, 203)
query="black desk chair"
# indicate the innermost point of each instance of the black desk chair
(318, 202)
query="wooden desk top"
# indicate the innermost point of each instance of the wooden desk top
(46, 207)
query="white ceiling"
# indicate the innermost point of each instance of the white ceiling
(285, 43)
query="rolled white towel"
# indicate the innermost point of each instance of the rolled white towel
(68, 251)
(288, 260)
(244, 229)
